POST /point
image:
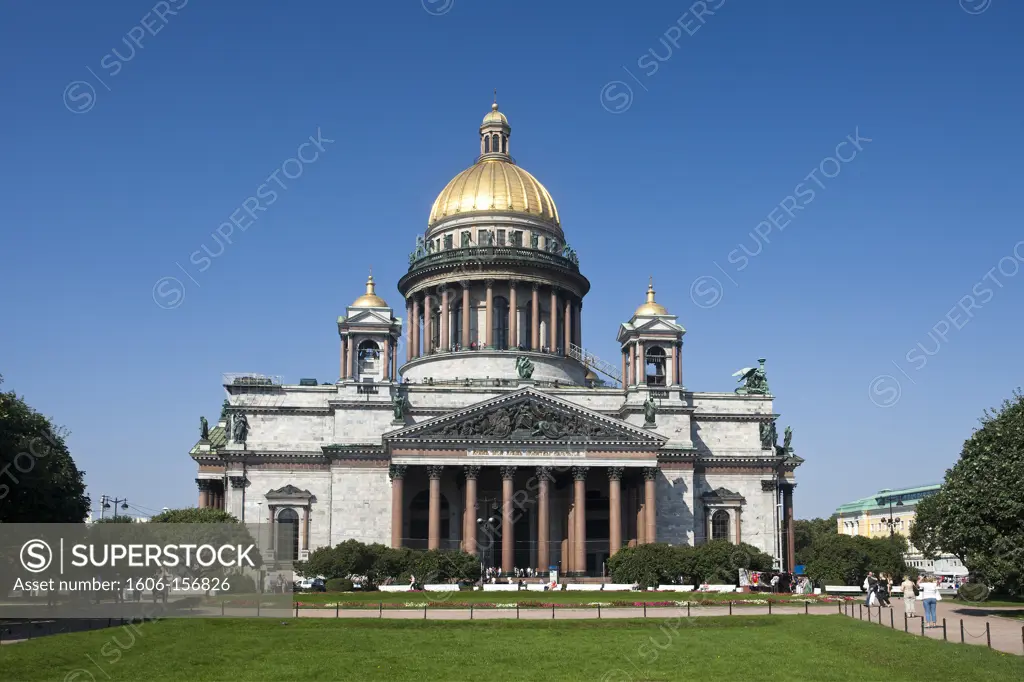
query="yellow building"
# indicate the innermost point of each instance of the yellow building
(893, 511)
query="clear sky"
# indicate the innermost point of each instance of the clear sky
(674, 144)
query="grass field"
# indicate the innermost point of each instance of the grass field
(707, 649)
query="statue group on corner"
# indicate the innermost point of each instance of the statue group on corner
(238, 427)
(770, 439)
(755, 380)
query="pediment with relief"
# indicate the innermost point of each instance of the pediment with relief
(528, 416)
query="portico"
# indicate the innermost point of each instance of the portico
(531, 480)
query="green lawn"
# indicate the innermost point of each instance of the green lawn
(557, 597)
(780, 648)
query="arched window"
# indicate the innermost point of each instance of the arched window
(494, 143)
(487, 144)
(435, 330)
(499, 330)
(369, 357)
(526, 324)
(655, 366)
(720, 525)
(504, 145)
(287, 535)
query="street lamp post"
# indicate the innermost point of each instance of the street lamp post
(891, 521)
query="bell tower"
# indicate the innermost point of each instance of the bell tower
(369, 339)
(652, 347)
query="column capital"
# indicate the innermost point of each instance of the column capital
(544, 474)
(204, 484)
(434, 471)
(614, 473)
(650, 473)
(536, 286)
(508, 473)
(397, 471)
(464, 283)
(237, 481)
(580, 473)
(513, 283)
(489, 282)
(472, 471)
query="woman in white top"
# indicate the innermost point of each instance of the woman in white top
(929, 596)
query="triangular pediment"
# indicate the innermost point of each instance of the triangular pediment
(527, 416)
(380, 316)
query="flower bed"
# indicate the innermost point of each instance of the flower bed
(532, 604)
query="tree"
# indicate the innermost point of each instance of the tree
(193, 515)
(978, 514)
(201, 526)
(39, 482)
(807, 533)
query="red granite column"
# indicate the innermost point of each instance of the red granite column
(650, 508)
(543, 518)
(507, 529)
(787, 510)
(445, 342)
(579, 475)
(625, 379)
(434, 509)
(465, 316)
(489, 317)
(204, 493)
(614, 510)
(408, 329)
(397, 475)
(568, 326)
(469, 531)
(351, 357)
(344, 366)
(428, 324)
(553, 322)
(535, 319)
(631, 381)
(386, 363)
(513, 316)
(415, 327)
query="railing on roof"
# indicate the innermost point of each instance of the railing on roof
(477, 256)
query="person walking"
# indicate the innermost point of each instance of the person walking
(930, 596)
(884, 585)
(870, 586)
(909, 596)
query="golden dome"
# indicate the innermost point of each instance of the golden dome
(370, 299)
(650, 307)
(494, 116)
(494, 184)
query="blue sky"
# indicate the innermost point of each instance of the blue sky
(119, 166)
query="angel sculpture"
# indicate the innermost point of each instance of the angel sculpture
(755, 380)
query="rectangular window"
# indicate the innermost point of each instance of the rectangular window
(501, 237)
(517, 238)
(481, 237)
(447, 241)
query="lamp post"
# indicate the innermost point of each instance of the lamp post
(891, 521)
(106, 500)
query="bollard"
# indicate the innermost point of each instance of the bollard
(645, 609)
(922, 626)
(769, 607)
(552, 612)
(337, 605)
(805, 609)
(861, 609)
(688, 615)
(961, 630)
(988, 635)
(599, 612)
(471, 611)
(424, 612)
(730, 606)
(906, 625)
(380, 610)
(517, 610)
(943, 629)
(222, 607)
(296, 609)
(892, 619)
(257, 606)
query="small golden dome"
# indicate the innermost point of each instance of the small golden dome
(590, 375)
(494, 116)
(370, 299)
(650, 307)
(494, 184)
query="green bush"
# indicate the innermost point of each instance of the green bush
(241, 584)
(338, 585)
(717, 563)
(379, 564)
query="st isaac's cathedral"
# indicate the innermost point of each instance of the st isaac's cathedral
(487, 426)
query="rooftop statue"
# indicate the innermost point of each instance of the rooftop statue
(787, 443)
(769, 435)
(524, 367)
(755, 380)
(240, 428)
(650, 410)
(399, 405)
(204, 428)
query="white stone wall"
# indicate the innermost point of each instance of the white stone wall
(318, 483)
(675, 507)
(360, 506)
(757, 517)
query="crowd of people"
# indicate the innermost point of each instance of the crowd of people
(925, 589)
